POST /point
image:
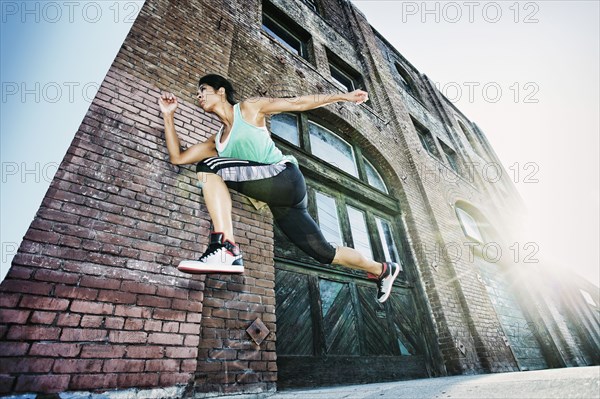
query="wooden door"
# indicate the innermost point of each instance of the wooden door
(331, 330)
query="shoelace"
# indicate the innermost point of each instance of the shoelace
(209, 251)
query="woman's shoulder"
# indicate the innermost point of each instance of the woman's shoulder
(250, 113)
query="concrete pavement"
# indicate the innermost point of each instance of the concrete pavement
(572, 382)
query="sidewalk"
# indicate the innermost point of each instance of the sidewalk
(572, 382)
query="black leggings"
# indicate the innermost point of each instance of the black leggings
(283, 189)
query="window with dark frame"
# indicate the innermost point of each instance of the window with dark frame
(407, 82)
(326, 145)
(426, 139)
(451, 157)
(285, 31)
(344, 76)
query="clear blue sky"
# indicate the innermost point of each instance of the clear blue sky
(54, 57)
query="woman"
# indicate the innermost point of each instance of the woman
(242, 156)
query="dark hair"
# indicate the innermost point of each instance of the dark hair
(218, 81)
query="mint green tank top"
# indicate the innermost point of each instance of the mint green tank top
(249, 142)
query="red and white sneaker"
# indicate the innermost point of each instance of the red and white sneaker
(386, 280)
(220, 257)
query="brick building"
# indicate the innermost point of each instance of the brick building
(94, 302)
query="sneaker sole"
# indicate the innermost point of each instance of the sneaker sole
(386, 296)
(195, 267)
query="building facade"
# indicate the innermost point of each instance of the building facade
(94, 302)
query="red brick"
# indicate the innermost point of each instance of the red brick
(13, 348)
(46, 237)
(133, 311)
(139, 288)
(123, 366)
(153, 325)
(43, 317)
(33, 333)
(92, 307)
(171, 292)
(171, 365)
(9, 300)
(168, 314)
(117, 297)
(191, 340)
(54, 349)
(93, 381)
(110, 351)
(43, 303)
(181, 353)
(153, 301)
(128, 337)
(19, 273)
(6, 383)
(190, 306)
(83, 334)
(170, 327)
(145, 352)
(27, 287)
(88, 321)
(166, 339)
(64, 291)
(115, 323)
(68, 319)
(13, 316)
(189, 328)
(77, 366)
(27, 365)
(134, 324)
(42, 383)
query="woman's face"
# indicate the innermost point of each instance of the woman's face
(208, 97)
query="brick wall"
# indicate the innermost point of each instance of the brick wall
(93, 300)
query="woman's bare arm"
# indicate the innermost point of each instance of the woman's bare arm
(269, 105)
(197, 152)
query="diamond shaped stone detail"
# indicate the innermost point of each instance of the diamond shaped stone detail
(258, 331)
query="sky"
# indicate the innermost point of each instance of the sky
(526, 72)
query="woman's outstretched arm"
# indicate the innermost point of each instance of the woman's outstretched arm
(270, 105)
(197, 152)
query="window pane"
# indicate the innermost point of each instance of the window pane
(286, 127)
(343, 79)
(360, 233)
(373, 177)
(387, 241)
(469, 225)
(282, 35)
(328, 219)
(332, 149)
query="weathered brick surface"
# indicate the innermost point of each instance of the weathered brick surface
(93, 300)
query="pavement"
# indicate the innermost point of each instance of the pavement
(564, 383)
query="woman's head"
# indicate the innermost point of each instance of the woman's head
(219, 85)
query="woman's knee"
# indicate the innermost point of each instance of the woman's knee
(207, 179)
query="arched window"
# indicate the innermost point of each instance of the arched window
(326, 145)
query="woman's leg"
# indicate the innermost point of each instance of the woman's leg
(350, 257)
(218, 201)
